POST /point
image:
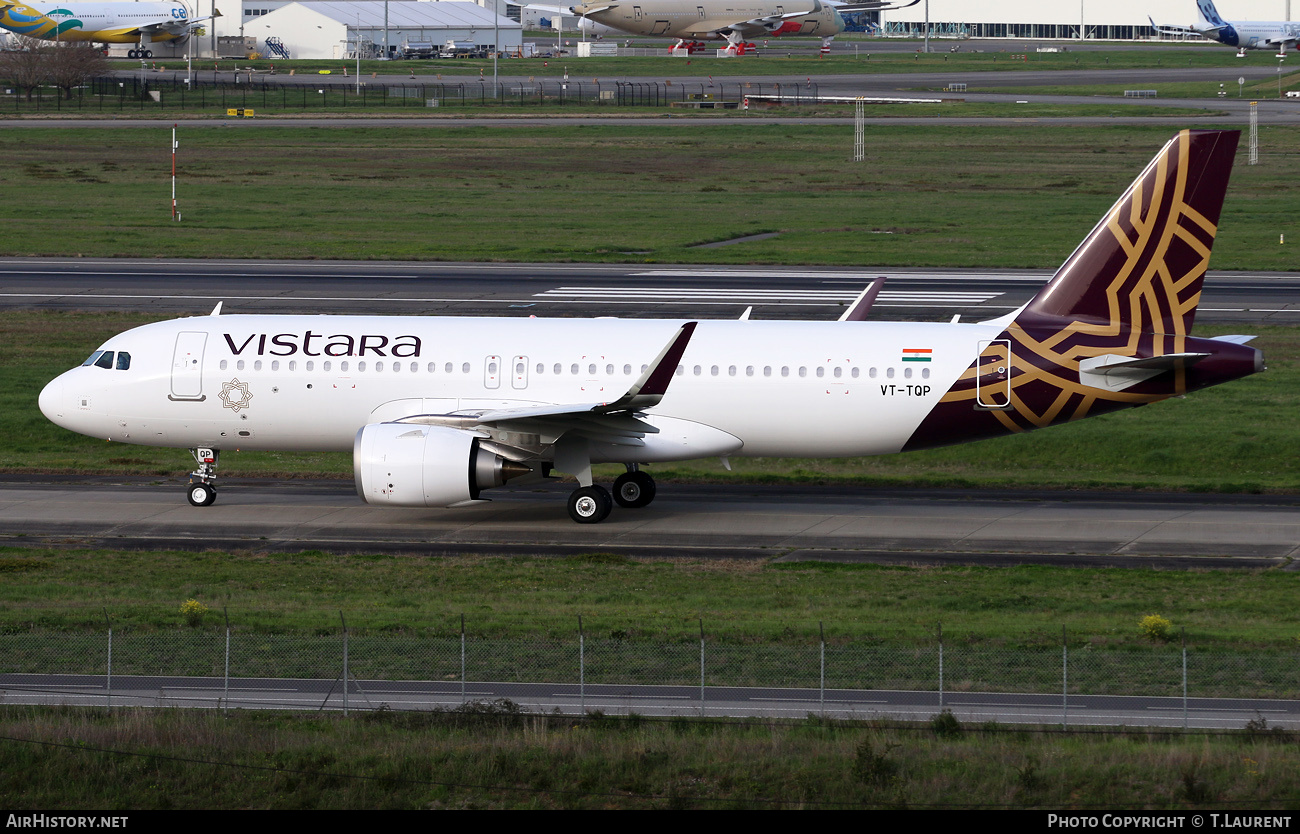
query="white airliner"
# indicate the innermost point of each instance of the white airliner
(101, 22)
(437, 410)
(734, 21)
(1243, 34)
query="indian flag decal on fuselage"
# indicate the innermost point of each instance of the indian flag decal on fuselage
(917, 354)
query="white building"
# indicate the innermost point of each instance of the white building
(1101, 19)
(328, 30)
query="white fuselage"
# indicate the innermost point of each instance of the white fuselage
(311, 382)
(97, 22)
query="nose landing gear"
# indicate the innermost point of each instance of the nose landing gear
(202, 490)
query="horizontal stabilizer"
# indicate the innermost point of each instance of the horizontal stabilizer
(1111, 372)
(1234, 339)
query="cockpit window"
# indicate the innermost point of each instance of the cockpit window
(104, 359)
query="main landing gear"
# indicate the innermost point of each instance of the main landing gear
(146, 54)
(592, 504)
(202, 490)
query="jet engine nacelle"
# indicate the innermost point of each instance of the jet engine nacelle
(408, 465)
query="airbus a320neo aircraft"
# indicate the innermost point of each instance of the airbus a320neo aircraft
(1243, 34)
(118, 22)
(436, 410)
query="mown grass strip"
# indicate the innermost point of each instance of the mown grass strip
(1014, 196)
(493, 758)
(645, 600)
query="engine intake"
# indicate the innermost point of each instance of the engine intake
(405, 465)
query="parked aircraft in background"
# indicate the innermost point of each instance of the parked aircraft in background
(735, 21)
(1243, 34)
(101, 22)
(436, 410)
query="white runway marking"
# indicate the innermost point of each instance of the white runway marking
(690, 296)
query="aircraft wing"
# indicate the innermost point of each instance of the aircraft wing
(171, 27)
(1183, 30)
(611, 419)
(872, 6)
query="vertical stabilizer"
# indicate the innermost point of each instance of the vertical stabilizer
(1141, 268)
(1111, 329)
(1208, 13)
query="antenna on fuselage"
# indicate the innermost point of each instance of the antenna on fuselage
(216, 311)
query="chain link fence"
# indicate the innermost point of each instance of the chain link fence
(152, 92)
(1069, 683)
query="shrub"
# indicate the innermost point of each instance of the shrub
(193, 611)
(1156, 627)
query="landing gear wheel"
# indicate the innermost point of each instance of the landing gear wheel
(590, 505)
(634, 489)
(132, 54)
(202, 495)
(146, 54)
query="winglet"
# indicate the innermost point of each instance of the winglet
(651, 386)
(862, 304)
(216, 311)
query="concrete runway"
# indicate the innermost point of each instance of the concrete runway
(885, 526)
(173, 288)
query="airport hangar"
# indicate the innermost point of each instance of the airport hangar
(327, 30)
(1121, 20)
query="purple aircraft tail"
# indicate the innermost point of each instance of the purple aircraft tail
(1142, 266)
(1112, 327)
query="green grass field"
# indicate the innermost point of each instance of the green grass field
(657, 600)
(1015, 196)
(67, 759)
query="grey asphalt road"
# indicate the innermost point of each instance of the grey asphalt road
(172, 288)
(573, 699)
(884, 526)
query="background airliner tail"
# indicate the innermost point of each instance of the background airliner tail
(1142, 267)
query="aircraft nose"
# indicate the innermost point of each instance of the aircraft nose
(51, 400)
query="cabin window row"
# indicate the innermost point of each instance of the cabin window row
(361, 366)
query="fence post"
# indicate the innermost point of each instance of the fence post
(582, 668)
(108, 684)
(940, 627)
(701, 666)
(1184, 677)
(821, 628)
(462, 658)
(225, 677)
(345, 664)
(1065, 681)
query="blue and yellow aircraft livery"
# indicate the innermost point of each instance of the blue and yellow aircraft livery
(99, 22)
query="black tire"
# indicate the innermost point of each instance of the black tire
(201, 495)
(132, 54)
(590, 505)
(634, 489)
(147, 54)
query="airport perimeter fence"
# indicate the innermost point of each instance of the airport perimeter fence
(702, 671)
(266, 96)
